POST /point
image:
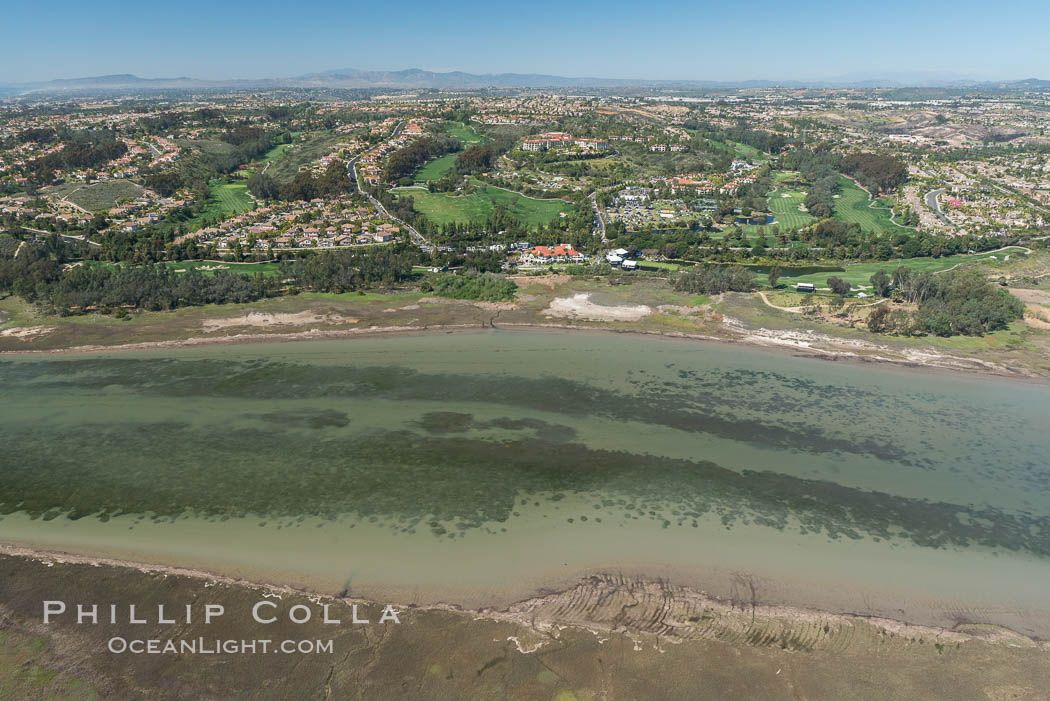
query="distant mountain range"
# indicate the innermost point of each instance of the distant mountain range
(415, 78)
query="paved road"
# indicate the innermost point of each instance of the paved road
(935, 206)
(351, 168)
(598, 216)
(68, 237)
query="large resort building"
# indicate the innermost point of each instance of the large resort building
(557, 139)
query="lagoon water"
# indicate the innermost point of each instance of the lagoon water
(479, 468)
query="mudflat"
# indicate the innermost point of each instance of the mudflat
(438, 653)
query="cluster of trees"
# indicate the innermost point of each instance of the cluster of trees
(166, 121)
(247, 144)
(350, 270)
(160, 123)
(485, 287)
(404, 161)
(484, 261)
(834, 239)
(876, 172)
(241, 135)
(959, 302)
(39, 135)
(165, 183)
(763, 140)
(477, 159)
(713, 279)
(820, 200)
(839, 286)
(767, 141)
(40, 278)
(813, 163)
(333, 182)
(8, 245)
(83, 149)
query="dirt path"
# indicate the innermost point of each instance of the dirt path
(538, 199)
(799, 310)
(74, 205)
(1027, 252)
(793, 310)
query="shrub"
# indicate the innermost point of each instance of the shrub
(485, 287)
(713, 279)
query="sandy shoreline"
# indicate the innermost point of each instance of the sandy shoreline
(597, 603)
(799, 344)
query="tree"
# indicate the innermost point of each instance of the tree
(877, 319)
(713, 279)
(263, 186)
(476, 159)
(839, 286)
(774, 274)
(881, 282)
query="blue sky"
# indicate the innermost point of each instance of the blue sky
(618, 39)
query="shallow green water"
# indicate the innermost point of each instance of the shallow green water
(664, 453)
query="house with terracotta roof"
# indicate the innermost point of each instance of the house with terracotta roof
(543, 255)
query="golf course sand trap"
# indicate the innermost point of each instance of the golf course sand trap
(266, 319)
(579, 306)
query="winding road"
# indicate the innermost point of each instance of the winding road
(935, 206)
(68, 237)
(351, 173)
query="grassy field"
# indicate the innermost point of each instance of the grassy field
(230, 198)
(276, 153)
(209, 266)
(852, 206)
(785, 209)
(224, 199)
(436, 168)
(442, 208)
(671, 267)
(861, 273)
(98, 197)
(745, 151)
(466, 134)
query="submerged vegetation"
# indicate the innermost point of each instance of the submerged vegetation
(316, 451)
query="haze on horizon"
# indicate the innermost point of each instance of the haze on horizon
(815, 40)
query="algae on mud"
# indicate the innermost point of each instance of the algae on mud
(441, 654)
